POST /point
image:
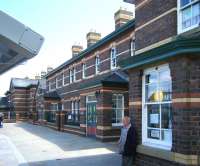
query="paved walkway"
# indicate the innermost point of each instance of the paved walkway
(24, 144)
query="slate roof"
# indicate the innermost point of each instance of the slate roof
(23, 82)
(130, 24)
(116, 78)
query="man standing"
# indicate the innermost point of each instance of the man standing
(127, 142)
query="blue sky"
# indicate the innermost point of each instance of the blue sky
(62, 23)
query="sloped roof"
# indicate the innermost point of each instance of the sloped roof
(130, 24)
(116, 78)
(23, 82)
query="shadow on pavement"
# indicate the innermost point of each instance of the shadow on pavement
(66, 141)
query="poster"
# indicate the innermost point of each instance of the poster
(154, 118)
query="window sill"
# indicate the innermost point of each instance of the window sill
(155, 152)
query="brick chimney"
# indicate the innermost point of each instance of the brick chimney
(92, 38)
(43, 73)
(122, 16)
(49, 69)
(76, 49)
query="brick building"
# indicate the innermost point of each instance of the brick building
(164, 82)
(88, 94)
(22, 97)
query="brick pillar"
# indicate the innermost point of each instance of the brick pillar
(62, 119)
(135, 101)
(83, 113)
(17, 116)
(58, 120)
(185, 74)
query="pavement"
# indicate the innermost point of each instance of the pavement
(23, 144)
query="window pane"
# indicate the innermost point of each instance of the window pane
(151, 78)
(184, 2)
(151, 91)
(119, 115)
(186, 18)
(153, 112)
(166, 116)
(164, 76)
(195, 14)
(166, 135)
(165, 91)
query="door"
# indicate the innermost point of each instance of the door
(91, 119)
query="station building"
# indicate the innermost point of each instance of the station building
(88, 94)
(164, 82)
(22, 97)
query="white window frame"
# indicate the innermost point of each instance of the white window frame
(97, 64)
(145, 140)
(179, 16)
(83, 70)
(121, 95)
(57, 82)
(71, 75)
(132, 47)
(74, 72)
(113, 56)
(63, 82)
(55, 106)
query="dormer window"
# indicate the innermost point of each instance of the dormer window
(189, 15)
(113, 59)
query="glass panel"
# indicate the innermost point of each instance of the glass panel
(166, 135)
(151, 78)
(196, 14)
(119, 115)
(153, 112)
(166, 116)
(164, 76)
(186, 18)
(184, 2)
(113, 115)
(165, 91)
(151, 93)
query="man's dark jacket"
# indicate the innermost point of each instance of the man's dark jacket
(130, 145)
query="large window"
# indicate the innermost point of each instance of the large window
(117, 109)
(189, 14)
(74, 114)
(113, 59)
(97, 64)
(156, 113)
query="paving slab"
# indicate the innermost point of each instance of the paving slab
(24, 144)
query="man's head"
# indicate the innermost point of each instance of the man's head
(126, 121)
